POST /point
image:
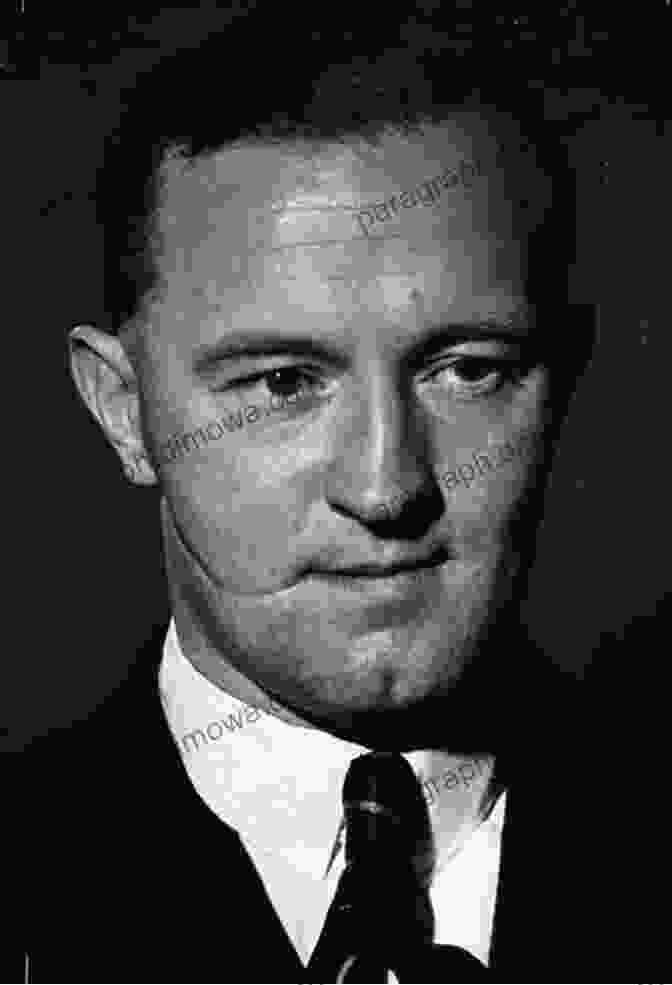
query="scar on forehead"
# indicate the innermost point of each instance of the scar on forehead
(319, 243)
(307, 206)
(328, 242)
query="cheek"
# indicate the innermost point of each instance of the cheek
(242, 530)
(480, 507)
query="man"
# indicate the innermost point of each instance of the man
(342, 349)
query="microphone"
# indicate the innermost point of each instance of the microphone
(381, 911)
(387, 826)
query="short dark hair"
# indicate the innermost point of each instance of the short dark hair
(320, 83)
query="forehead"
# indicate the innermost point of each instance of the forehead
(259, 233)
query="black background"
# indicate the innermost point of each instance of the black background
(84, 582)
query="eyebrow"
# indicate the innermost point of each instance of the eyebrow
(208, 356)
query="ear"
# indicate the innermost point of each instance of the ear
(108, 385)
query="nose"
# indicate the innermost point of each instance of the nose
(380, 470)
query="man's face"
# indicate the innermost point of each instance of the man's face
(401, 338)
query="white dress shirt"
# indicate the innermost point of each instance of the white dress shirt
(279, 786)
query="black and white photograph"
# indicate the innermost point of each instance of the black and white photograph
(340, 516)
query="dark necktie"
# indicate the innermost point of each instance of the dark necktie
(381, 917)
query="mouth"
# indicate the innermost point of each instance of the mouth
(401, 573)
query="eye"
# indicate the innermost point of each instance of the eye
(283, 381)
(473, 376)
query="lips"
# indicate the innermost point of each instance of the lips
(388, 570)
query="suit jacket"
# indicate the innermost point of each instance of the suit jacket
(123, 874)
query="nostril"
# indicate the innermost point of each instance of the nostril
(406, 515)
(391, 506)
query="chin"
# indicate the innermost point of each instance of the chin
(422, 696)
(387, 688)
(384, 671)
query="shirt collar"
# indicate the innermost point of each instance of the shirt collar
(279, 784)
